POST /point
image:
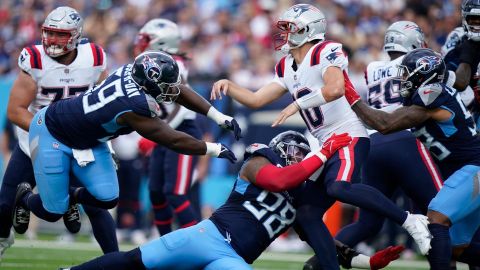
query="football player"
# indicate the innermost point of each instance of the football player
(314, 73)
(63, 66)
(440, 120)
(170, 173)
(461, 55)
(383, 169)
(69, 136)
(260, 207)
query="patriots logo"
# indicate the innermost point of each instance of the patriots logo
(428, 63)
(332, 56)
(151, 69)
(301, 8)
(414, 27)
(75, 17)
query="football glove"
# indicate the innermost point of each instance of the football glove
(333, 143)
(226, 153)
(383, 257)
(233, 126)
(350, 93)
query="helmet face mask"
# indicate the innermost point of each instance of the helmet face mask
(471, 19)
(61, 31)
(298, 25)
(291, 146)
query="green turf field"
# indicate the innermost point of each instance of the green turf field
(49, 255)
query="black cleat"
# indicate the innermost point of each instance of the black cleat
(21, 215)
(71, 218)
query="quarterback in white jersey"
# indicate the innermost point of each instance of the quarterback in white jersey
(61, 67)
(306, 78)
(315, 74)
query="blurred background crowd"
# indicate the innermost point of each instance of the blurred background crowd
(222, 39)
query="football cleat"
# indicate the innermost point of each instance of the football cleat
(6, 243)
(417, 227)
(21, 215)
(71, 218)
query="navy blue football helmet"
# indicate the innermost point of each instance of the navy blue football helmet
(471, 18)
(291, 146)
(418, 68)
(157, 74)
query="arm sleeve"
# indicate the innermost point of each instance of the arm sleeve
(276, 179)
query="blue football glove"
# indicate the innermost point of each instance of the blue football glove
(233, 126)
(225, 152)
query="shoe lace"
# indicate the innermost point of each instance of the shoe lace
(22, 216)
(72, 213)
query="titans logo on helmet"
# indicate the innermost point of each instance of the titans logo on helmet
(151, 69)
(428, 63)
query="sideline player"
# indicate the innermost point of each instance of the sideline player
(170, 173)
(314, 72)
(70, 135)
(62, 67)
(259, 209)
(443, 124)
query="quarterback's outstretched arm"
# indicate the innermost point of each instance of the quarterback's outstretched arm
(21, 96)
(253, 100)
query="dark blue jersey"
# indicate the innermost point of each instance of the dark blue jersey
(454, 142)
(253, 217)
(85, 121)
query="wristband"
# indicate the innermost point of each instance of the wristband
(361, 261)
(321, 156)
(213, 149)
(217, 116)
(311, 100)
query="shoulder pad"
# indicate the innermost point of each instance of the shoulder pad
(98, 54)
(453, 39)
(429, 93)
(317, 51)
(30, 58)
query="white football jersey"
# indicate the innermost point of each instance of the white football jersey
(383, 88)
(56, 81)
(332, 117)
(183, 113)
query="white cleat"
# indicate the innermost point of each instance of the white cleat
(6, 243)
(417, 227)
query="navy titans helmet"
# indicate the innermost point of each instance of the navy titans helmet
(158, 75)
(291, 146)
(418, 68)
(470, 10)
